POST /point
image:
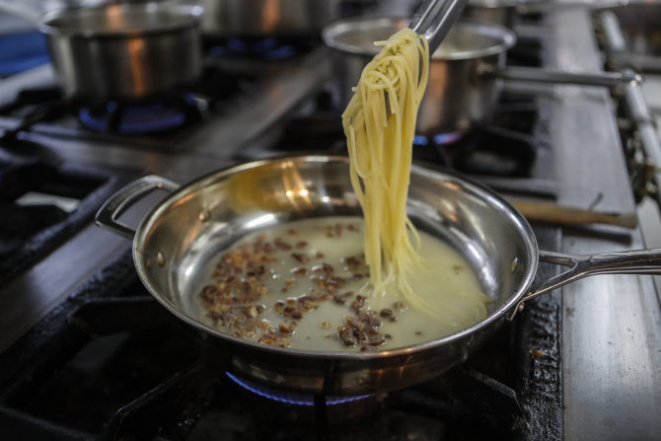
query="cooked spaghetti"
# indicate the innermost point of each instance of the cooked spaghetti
(379, 124)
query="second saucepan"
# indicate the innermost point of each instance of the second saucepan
(464, 76)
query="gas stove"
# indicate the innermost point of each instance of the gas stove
(78, 360)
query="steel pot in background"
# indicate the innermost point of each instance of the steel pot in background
(464, 75)
(123, 52)
(264, 18)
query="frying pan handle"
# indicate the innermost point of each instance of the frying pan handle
(623, 262)
(604, 79)
(118, 203)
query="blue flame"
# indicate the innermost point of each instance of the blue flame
(136, 120)
(420, 140)
(447, 138)
(290, 397)
(267, 49)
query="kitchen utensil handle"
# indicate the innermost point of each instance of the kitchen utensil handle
(559, 214)
(434, 18)
(538, 75)
(118, 203)
(625, 262)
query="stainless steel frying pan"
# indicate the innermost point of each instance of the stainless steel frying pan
(183, 235)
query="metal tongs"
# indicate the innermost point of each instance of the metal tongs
(434, 18)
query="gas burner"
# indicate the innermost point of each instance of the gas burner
(305, 408)
(268, 48)
(440, 139)
(139, 119)
(294, 398)
(489, 151)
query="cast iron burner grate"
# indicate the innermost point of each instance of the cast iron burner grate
(111, 362)
(43, 202)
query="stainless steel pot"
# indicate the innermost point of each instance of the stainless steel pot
(464, 73)
(178, 241)
(125, 52)
(262, 18)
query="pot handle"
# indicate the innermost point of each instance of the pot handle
(537, 75)
(623, 262)
(118, 203)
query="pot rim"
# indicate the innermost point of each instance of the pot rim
(142, 232)
(189, 18)
(507, 37)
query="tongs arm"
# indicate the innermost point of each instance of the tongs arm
(434, 18)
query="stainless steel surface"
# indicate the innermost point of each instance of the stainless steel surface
(260, 18)
(464, 72)
(611, 324)
(178, 241)
(435, 18)
(123, 52)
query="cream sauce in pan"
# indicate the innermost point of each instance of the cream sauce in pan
(305, 285)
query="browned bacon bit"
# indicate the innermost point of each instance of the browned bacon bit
(387, 336)
(319, 255)
(351, 227)
(342, 298)
(362, 329)
(301, 244)
(293, 232)
(208, 292)
(301, 271)
(338, 230)
(297, 315)
(358, 304)
(385, 312)
(347, 337)
(399, 306)
(302, 258)
(418, 332)
(257, 272)
(392, 319)
(287, 328)
(352, 263)
(282, 244)
(536, 352)
(326, 325)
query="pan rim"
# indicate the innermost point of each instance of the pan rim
(329, 35)
(337, 356)
(190, 19)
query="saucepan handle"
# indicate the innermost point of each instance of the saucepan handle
(623, 262)
(118, 203)
(537, 75)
